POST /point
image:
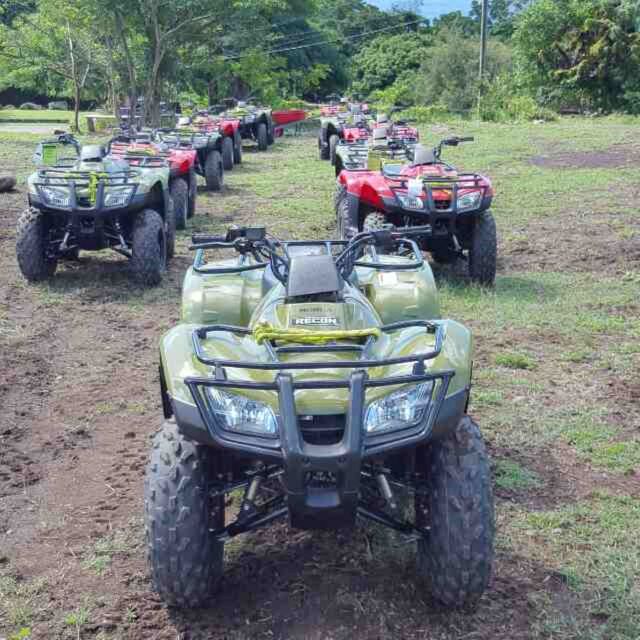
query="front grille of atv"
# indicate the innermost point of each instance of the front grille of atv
(320, 479)
(442, 205)
(322, 429)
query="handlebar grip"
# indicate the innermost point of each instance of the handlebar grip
(203, 238)
(467, 139)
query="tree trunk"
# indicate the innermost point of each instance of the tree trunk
(76, 105)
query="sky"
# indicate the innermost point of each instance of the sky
(430, 8)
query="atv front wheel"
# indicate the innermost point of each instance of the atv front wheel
(333, 145)
(227, 153)
(323, 151)
(263, 138)
(457, 557)
(185, 559)
(193, 193)
(484, 250)
(347, 217)
(180, 194)
(149, 248)
(338, 194)
(237, 148)
(31, 246)
(214, 171)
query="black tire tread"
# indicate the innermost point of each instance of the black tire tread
(237, 148)
(457, 558)
(333, 145)
(263, 141)
(227, 153)
(214, 171)
(147, 263)
(193, 193)
(31, 238)
(483, 253)
(185, 560)
(180, 194)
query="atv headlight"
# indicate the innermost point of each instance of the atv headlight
(237, 413)
(469, 201)
(399, 410)
(117, 197)
(55, 197)
(411, 202)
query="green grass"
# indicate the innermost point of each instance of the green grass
(513, 476)
(44, 115)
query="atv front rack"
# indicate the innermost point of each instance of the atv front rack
(301, 459)
(92, 181)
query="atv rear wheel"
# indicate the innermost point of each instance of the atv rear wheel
(180, 194)
(214, 171)
(149, 247)
(227, 153)
(457, 557)
(484, 250)
(185, 559)
(333, 145)
(193, 193)
(263, 139)
(31, 246)
(237, 148)
(170, 227)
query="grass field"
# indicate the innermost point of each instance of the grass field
(556, 394)
(44, 115)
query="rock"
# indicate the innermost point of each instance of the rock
(7, 182)
(30, 106)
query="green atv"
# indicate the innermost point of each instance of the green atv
(80, 199)
(319, 378)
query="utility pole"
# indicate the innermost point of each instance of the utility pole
(483, 48)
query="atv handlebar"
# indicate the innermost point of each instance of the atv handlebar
(253, 241)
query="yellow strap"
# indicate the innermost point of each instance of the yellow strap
(265, 331)
(94, 179)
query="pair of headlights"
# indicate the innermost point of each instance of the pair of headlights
(399, 410)
(115, 197)
(467, 202)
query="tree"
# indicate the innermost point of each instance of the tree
(55, 41)
(380, 62)
(582, 53)
(502, 15)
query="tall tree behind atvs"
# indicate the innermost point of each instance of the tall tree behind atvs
(583, 53)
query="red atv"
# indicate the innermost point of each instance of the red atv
(182, 165)
(228, 127)
(424, 191)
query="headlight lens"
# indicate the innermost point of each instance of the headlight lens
(117, 197)
(55, 197)
(239, 414)
(469, 201)
(399, 410)
(411, 202)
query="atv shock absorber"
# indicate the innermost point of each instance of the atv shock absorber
(385, 490)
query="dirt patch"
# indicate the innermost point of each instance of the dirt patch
(623, 155)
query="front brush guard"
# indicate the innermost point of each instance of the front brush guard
(335, 505)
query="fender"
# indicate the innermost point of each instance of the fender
(368, 187)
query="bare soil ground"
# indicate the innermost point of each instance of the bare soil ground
(79, 390)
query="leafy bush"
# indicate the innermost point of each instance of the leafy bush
(426, 115)
(503, 102)
(449, 74)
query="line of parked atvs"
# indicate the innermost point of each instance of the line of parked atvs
(317, 377)
(387, 179)
(131, 194)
